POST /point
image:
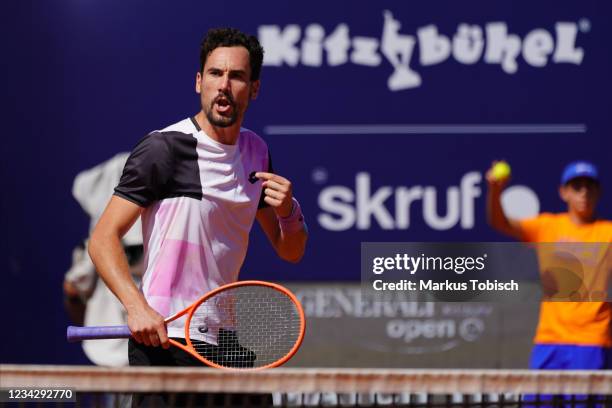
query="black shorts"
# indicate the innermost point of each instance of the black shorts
(228, 353)
(141, 355)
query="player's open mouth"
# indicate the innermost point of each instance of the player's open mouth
(223, 105)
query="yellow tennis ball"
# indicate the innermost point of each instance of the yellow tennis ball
(501, 170)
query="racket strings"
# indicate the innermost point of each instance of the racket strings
(252, 326)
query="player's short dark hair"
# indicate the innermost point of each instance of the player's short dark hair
(232, 37)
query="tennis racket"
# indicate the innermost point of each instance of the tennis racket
(254, 324)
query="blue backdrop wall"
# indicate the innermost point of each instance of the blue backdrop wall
(366, 107)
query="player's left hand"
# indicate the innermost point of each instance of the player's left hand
(278, 193)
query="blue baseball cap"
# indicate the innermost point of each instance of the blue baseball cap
(579, 169)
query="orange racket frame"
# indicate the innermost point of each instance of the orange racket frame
(189, 312)
(84, 333)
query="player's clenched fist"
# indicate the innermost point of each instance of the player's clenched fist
(277, 193)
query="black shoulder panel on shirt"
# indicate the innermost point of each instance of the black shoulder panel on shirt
(162, 165)
(186, 179)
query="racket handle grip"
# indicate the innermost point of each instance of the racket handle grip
(76, 333)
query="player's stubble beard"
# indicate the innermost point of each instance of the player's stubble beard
(220, 120)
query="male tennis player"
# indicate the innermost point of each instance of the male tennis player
(570, 335)
(198, 185)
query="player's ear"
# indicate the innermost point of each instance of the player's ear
(198, 83)
(255, 89)
(563, 193)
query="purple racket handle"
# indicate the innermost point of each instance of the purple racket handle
(76, 333)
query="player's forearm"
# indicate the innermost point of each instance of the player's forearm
(292, 234)
(111, 264)
(291, 246)
(496, 217)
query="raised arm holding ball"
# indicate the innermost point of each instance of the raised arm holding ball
(570, 335)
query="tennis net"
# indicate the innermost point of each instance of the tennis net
(293, 387)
